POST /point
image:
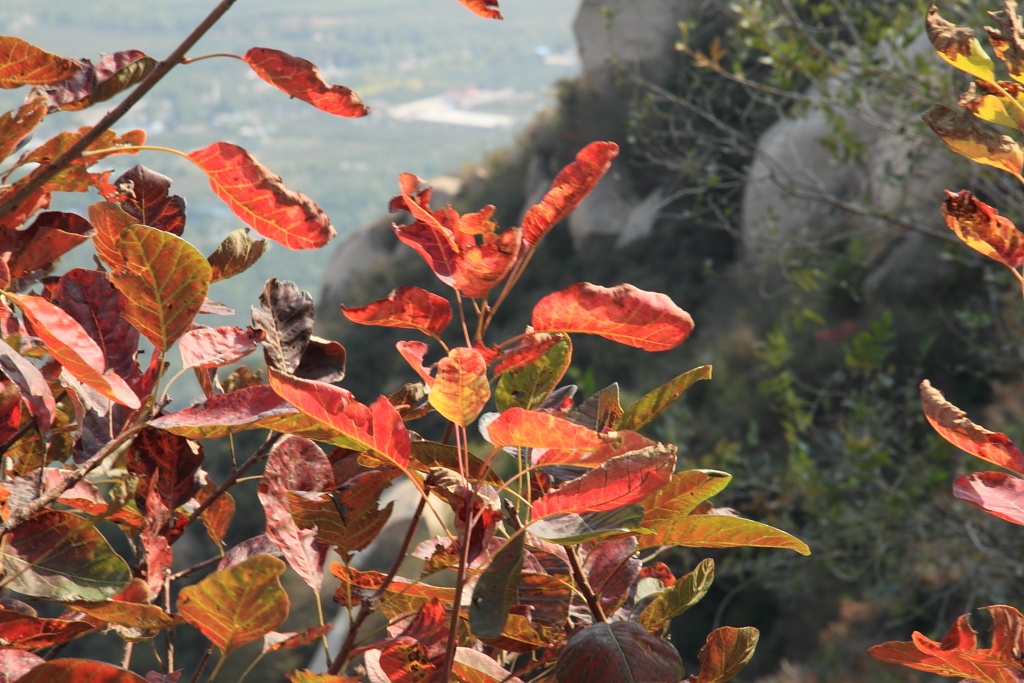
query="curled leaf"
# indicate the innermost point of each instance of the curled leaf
(997, 493)
(488, 9)
(405, 307)
(960, 131)
(301, 79)
(982, 228)
(93, 83)
(571, 185)
(952, 424)
(958, 46)
(1007, 39)
(260, 198)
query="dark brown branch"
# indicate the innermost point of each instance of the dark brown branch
(260, 454)
(584, 585)
(75, 151)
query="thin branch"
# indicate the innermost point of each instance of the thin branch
(114, 115)
(21, 515)
(584, 585)
(260, 454)
(366, 608)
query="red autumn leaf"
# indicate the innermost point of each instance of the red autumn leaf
(530, 349)
(377, 429)
(480, 267)
(90, 298)
(981, 228)
(400, 662)
(254, 407)
(36, 248)
(17, 125)
(530, 429)
(218, 515)
(488, 9)
(16, 663)
(178, 460)
(211, 347)
(301, 79)
(235, 254)
(71, 670)
(10, 411)
(405, 307)
(155, 538)
(614, 484)
(624, 442)
(135, 615)
(726, 651)
(67, 342)
(86, 497)
(22, 63)
(61, 556)
(952, 424)
(460, 389)
(307, 676)
(997, 493)
(238, 605)
(32, 385)
(619, 651)
(93, 83)
(76, 177)
(144, 196)
(297, 545)
(571, 185)
(261, 200)
(360, 520)
(414, 352)
(623, 313)
(110, 220)
(33, 633)
(165, 280)
(958, 654)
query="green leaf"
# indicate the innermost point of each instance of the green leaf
(61, 556)
(656, 402)
(718, 531)
(497, 589)
(529, 386)
(237, 605)
(686, 592)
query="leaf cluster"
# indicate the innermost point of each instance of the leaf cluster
(552, 564)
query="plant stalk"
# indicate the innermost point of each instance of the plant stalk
(114, 115)
(584, 585)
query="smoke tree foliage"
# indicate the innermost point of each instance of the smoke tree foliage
(548, 571)
(961, 653)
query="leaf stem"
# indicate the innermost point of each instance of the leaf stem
(460, 580)
(47, 172)
(195, 568)
(191, 60)
(202, 663)
(584, 585)
(248, 670)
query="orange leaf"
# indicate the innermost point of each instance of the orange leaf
(982, 228)
(479, 268)
(22, 63)
(17, 125)
(377, 429)
(110, 220)
(624, 442)
(460, 389)
(260, 198)
(488, 9)
(530, 429)
(623, 313)
(952, 424)
(614, 484)
(301, 79)
(237, 605)
(726, 651)
(571, 185)
(958, 654)
(73, 348)
(406, 307)
(400, 597)
(31, 633)
(165, 280)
